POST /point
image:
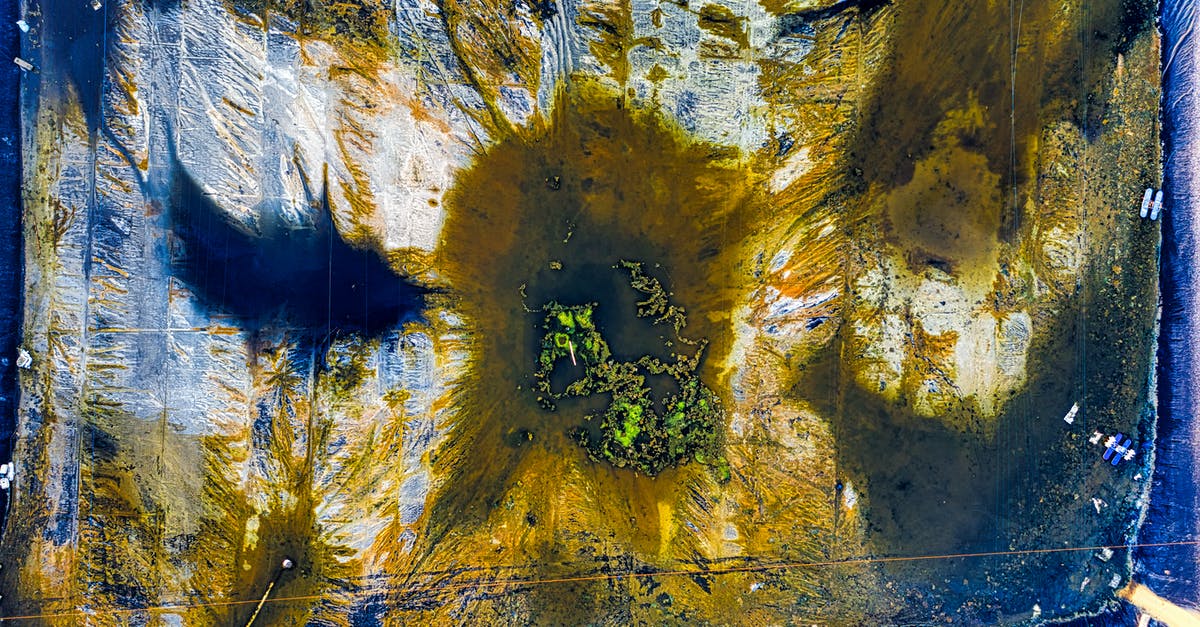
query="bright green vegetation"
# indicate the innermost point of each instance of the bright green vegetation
(571, 335)
(631, 425)
(630, 432)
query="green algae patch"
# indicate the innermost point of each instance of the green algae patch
(629, 433)
(570, 334)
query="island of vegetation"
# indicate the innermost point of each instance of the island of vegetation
(632, 432)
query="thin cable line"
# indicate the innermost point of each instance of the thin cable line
(611, 576)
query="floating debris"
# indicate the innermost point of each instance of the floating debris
(8, 472)
(1151, 208)
(1070, 417)
(1117, 448)
(849, 496)
(1098, 504)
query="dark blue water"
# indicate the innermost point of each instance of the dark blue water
(1174, 506)
(11, 266)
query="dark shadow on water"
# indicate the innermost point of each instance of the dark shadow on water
(942, 46)
(76, 47)
(958, 483)
(930, 492)
(74, 53)
(306, 275)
